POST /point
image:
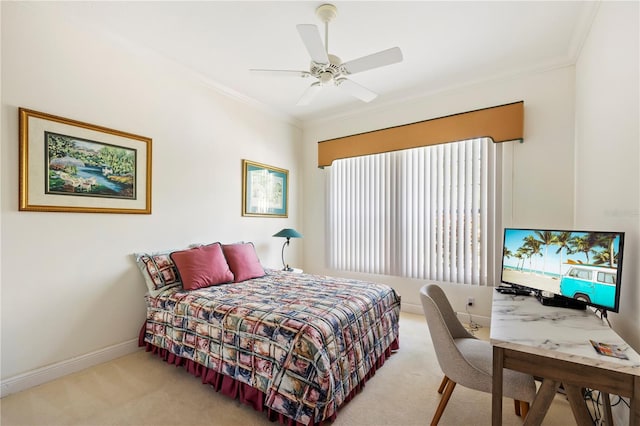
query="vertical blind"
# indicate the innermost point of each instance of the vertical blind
(422, 213)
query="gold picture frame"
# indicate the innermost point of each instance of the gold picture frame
(75, 167)
(265, 190)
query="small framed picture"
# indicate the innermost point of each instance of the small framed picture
(264, 190)
(71, 166)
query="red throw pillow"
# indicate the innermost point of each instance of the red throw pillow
(202, 266)
(243, 261)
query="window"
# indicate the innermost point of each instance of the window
(426, 213)
(581, 274)
(606, 278)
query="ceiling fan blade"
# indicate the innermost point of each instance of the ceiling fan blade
(281, 73)
(309, 94)
(354, 89)
(313, 42)
(375, 60)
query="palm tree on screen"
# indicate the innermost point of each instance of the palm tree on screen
(524, 253)
(606, 242)
(602, 258)
(562, 241)
(533, 245)
(545, 238)
(507, 254)
(520, 256)
(582, 244)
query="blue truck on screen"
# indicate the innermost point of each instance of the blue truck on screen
(592, 284)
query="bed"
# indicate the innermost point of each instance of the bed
(296, 346)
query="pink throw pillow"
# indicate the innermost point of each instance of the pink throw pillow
(243, 261)
(202, 266)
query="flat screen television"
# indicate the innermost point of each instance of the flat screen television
(582, 265)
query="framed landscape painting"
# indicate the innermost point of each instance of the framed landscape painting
(71, 166)
(264, 190)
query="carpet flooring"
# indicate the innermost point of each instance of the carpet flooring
(141, 389)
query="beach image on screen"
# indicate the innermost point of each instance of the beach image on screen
(580, 265)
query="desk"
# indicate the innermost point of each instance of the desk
(553, 343)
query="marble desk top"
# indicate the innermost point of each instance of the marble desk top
(522, 323)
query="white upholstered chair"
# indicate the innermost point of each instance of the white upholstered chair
(464, 359)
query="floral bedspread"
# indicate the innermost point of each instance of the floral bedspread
(305, 341)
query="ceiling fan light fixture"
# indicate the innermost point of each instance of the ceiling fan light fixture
(325, 77)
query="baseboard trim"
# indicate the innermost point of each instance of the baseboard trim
(462, 316)
(465, 318)
(51, 372)
(412, 309)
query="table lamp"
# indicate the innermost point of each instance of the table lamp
(287, 233)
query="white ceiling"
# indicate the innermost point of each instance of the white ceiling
(445, 44)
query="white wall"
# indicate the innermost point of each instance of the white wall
(69, 283)
(540, 190)
(608, 144)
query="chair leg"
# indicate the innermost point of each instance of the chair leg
(443, 402)
(524, 408)
(445, 380)
(521, 407)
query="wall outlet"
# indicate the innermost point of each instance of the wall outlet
(470, 301)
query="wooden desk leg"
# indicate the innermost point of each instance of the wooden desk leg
(496, 390)
(606, 401)
(578, 405)
(541, 404)
(634, 413)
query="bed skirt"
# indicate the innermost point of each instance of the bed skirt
(244, 393)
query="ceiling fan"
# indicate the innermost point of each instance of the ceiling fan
(329, 69)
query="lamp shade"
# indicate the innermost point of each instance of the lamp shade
(288, 233)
